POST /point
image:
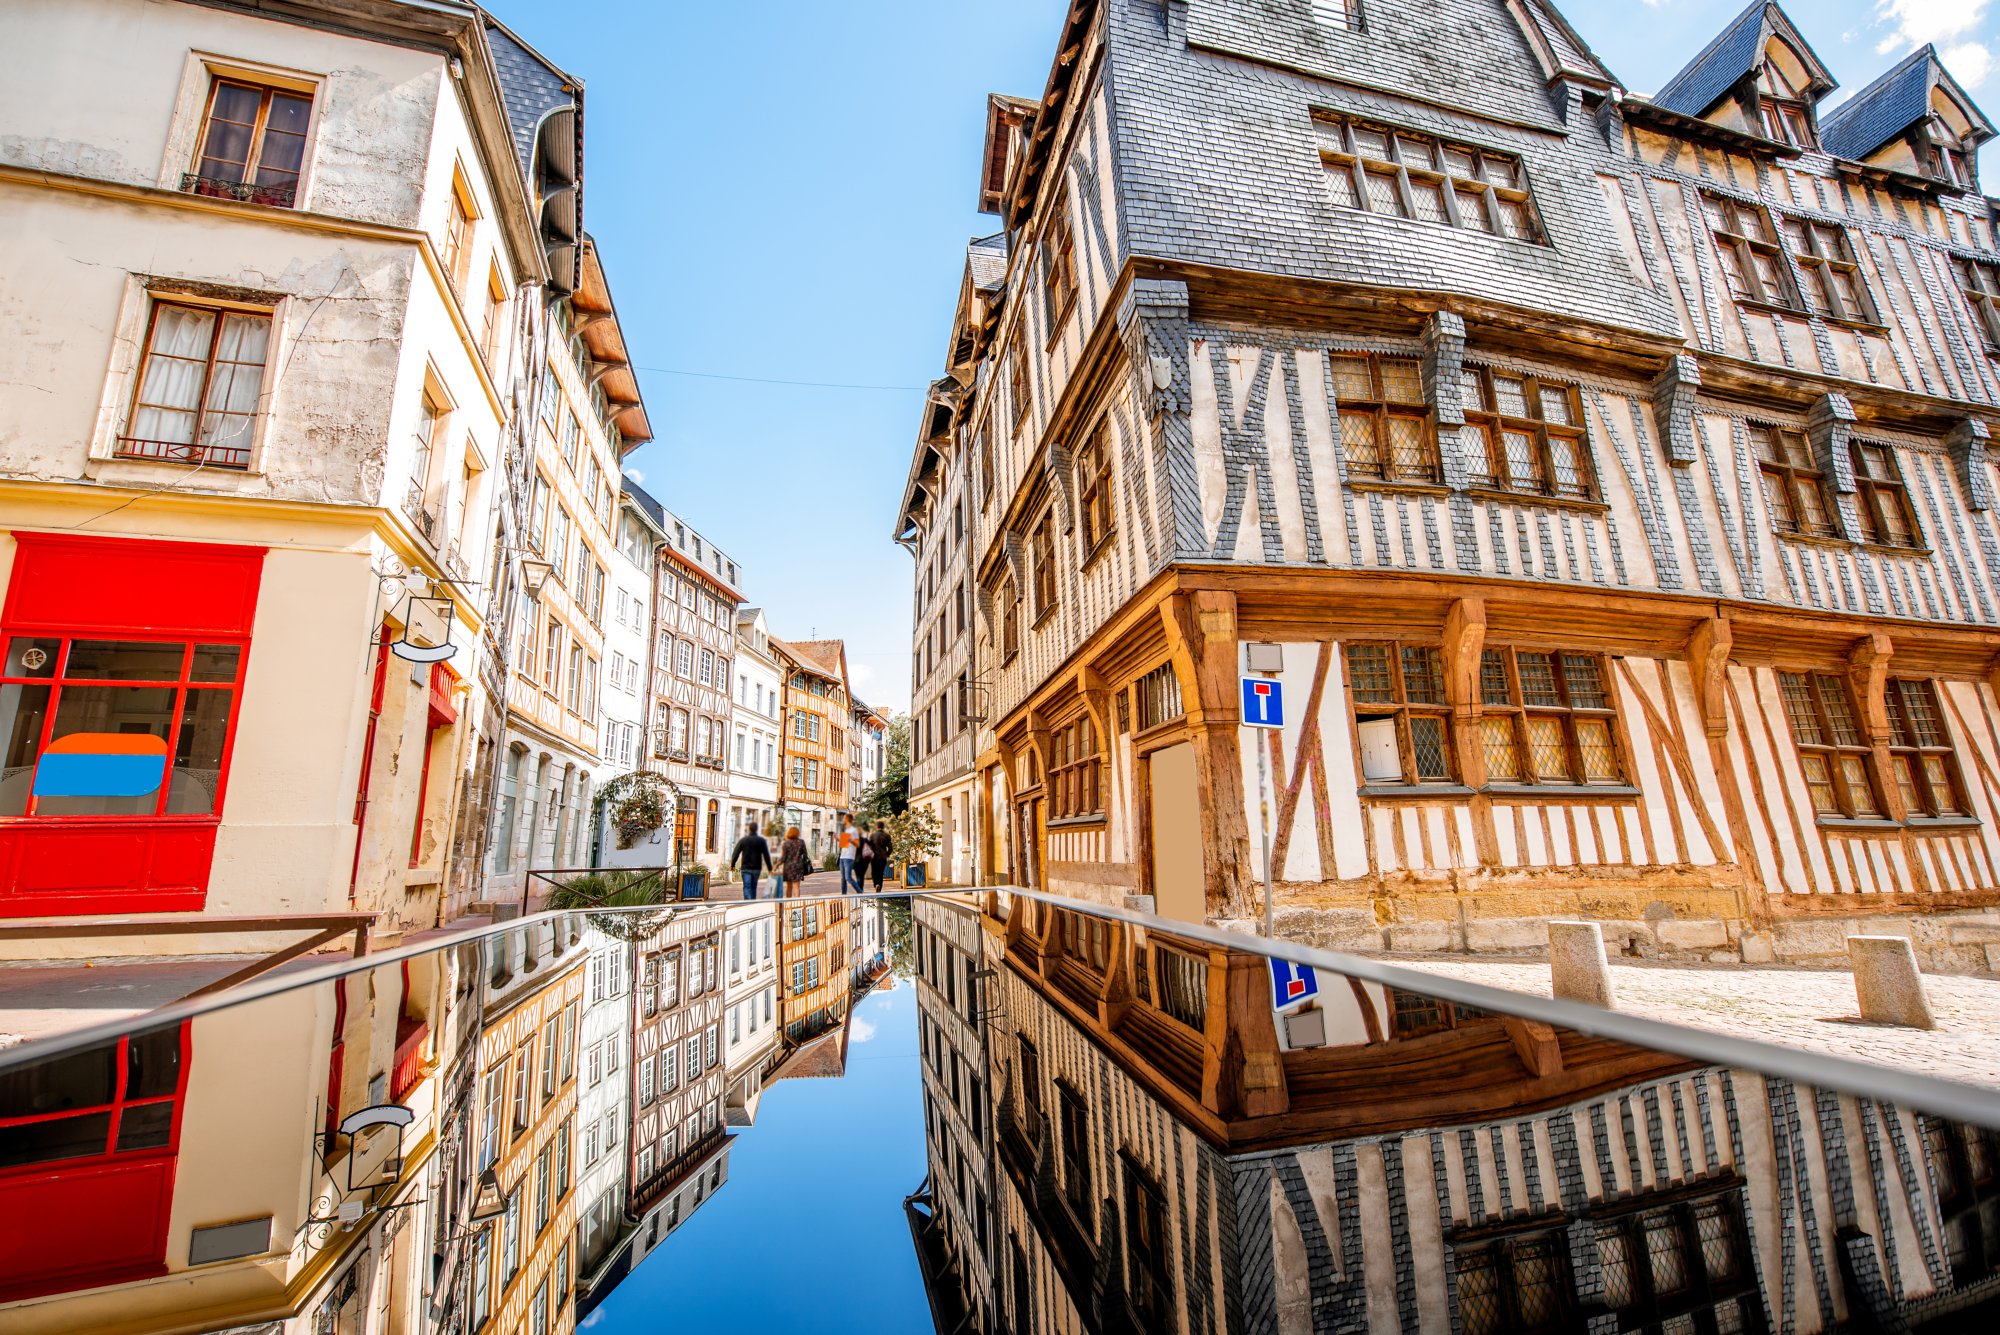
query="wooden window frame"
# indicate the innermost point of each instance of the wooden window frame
(1632, 1226)
(1344, 14)
(1500, 1255)
(1378, 410)
(1075, 771)
(1059, 286)
(1156, 698)
(1882, 498)
(461, 225)
(1845, 758)
(1149, 1267)
(1493, 427)
(1923, 759)
(1007, 601)
(1979, 284)
(1577, 704)
(1792, 480)
(194, 451)
(1405, 711)
(276, 194)
(1376, 168)
(1094, 509)
(1042, 574)
(1744, 234)
(1825, 259)
(1019, 396)
(1964, 1201)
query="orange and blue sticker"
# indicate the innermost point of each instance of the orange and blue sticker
(102, 764)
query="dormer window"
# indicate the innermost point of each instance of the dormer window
(1783, 107)
(1948, 159)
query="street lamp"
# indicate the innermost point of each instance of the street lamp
(535, 575)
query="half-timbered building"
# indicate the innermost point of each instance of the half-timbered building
(1609, 473)
(1168, 1158)
(813, 764)
(677, 1073)
(694, 631)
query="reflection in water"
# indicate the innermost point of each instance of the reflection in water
(1123, 1137)
(1118, 1133)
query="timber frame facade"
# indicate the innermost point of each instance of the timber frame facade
(1612, 475)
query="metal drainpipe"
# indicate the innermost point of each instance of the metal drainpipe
(368, 759)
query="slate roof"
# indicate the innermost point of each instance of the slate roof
(530, 87)
(1892, 104)
(1733, 54)
(986, 258)
(653, 509)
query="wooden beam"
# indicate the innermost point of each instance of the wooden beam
(1201, 641)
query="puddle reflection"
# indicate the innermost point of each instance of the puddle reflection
(974, 1113)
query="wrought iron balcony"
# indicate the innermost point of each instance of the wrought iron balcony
(243, 192)
(183, 452)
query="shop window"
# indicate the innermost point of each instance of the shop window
(1794, 487)
(87, 1146)
(1400, 713)
(1681, 1267)
(1518, 1284)
(253, 144)
(1526, 435)
(1075, 768)
(1920, 751)
(1836, 758)
(1547, 718)
(116, 727)
(199, 382)
(1385, 423)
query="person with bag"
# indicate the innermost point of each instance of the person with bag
(794, 863)
(864, 852)
(881, 845)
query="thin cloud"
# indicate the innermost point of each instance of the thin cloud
(1920, 21)
(1969, 62)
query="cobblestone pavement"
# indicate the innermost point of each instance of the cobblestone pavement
(1801, 1008)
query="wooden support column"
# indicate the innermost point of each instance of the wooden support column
(1242, 1067)
(1464, 643)
(1201, 639)
(1868, 675)
(1707, 657)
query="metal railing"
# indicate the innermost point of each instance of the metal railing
(183, 452)
(243, 192)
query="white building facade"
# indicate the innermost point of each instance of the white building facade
(753, 753)
(628, 640)
(750, 1048)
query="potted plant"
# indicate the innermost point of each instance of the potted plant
(914, 836)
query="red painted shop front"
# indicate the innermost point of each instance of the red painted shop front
(120, 687)
(89, 1144)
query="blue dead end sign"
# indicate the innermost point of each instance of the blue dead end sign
(1263, 703)
(1292, 984)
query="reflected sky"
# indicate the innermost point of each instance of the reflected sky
(816, 1191)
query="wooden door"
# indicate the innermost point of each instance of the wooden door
(1173, 813)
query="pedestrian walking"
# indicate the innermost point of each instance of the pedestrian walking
(848, 839)
(864, 853)
(794, 863)
(882, 846)
(753, 852)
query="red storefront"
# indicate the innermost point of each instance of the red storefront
(120, 689)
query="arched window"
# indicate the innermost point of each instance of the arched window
(714, 824)
(703, 736)
(677, 734)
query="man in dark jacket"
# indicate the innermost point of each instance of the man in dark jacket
(754, 853)
(883, 845)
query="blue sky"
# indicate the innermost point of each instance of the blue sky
(808, 1232)
(783, 191)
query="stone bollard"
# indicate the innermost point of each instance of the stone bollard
(1886, 981)
(1577, 970)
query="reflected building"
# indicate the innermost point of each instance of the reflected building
(812, 957)
(750, 1044)
(1171, 1156)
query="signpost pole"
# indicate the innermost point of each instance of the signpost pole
(1264, 820)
